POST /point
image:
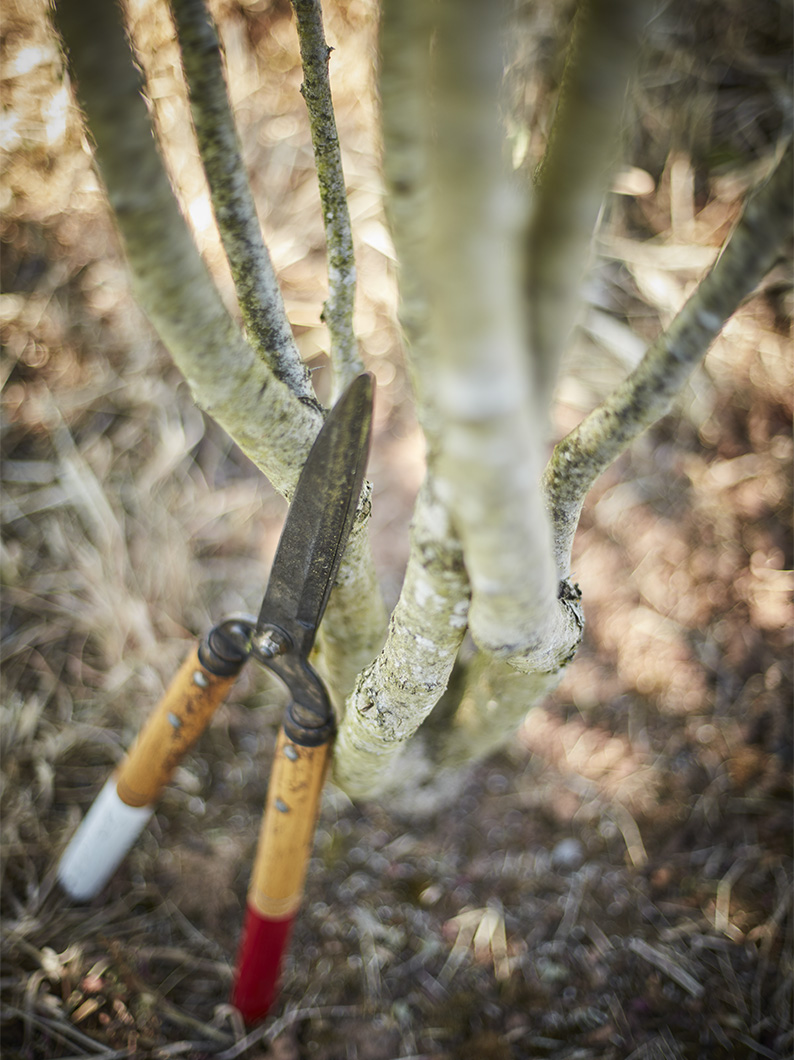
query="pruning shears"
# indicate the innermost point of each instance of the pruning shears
(307, 560)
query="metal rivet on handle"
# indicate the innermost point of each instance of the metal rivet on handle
(200, 679)
(281, 806)
(291, 753)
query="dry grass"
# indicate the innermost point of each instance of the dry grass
(619, 883)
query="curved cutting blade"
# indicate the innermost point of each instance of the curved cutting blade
(319, 519)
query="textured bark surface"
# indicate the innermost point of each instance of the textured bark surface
(316, 90)
(398, 691)
(481, 400)
(258, 294)
(269, 423)
(272, 424)
(474, 385)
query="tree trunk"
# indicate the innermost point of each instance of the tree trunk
(491, 265)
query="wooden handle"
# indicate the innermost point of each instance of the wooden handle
(287, 832)
(276, 888)
(126, 802)
(176, 723)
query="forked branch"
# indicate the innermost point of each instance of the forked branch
(170, 280)
(235, 385)
(397, 692)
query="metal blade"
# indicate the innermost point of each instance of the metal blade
(319, 520)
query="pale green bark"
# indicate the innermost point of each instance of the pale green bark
(494, 703)
(316, 90)
(582, 153)
(495, 698)
(258, 293)
(464, 331)
(489, 456)
(397, 692)
(355, 621)
(467, 356)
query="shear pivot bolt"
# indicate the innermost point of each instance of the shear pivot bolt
(268, 643)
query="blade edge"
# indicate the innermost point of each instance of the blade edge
(320, 518)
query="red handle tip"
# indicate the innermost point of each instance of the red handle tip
(262, 946)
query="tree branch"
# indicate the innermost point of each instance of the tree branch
(406, 29)
(452, 218)
(169, 278)
(648, 392)
(572, 179)
(354, 625)
(316, 90)
(489, 457)
(403, 684)
(397, 692)
(236, 387)
(571, 183)
(495, 701)
(258, 293)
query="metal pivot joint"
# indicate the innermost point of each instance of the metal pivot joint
(225, 649)
(309, 719)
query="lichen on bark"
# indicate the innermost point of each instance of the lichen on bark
(396, 693)
(170, 281)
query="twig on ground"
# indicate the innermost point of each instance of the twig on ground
(268, 1032)
(630, 831)
(666, 965)
(65, 1032)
